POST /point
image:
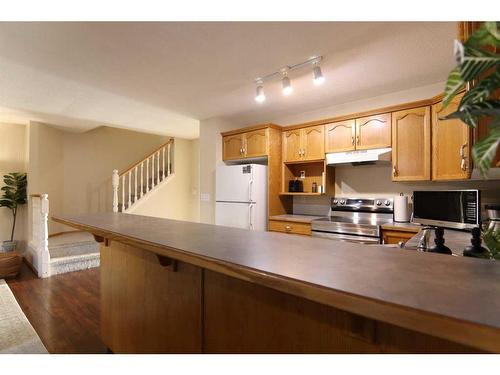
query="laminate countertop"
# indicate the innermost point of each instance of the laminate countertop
(455, 298)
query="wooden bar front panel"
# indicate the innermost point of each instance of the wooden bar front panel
(241, 317)
(147, 307)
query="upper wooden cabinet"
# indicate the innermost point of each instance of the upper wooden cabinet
(340, 136)
(373, 132)
(252, 143)
(451, 141)
(233, 146)
(256, 143)
(411, 144)
(304, 144)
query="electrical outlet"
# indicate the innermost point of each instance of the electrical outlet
(302, 174)
(205, 197)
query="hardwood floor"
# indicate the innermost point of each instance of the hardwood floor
(63, 309)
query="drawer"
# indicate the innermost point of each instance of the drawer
(290, 227)
(395, 236)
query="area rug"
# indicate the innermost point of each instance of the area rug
(17, 335)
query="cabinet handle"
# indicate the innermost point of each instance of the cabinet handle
(394, 171)
(288, 228)
(352, 140)
(463, 163)
(358, 140)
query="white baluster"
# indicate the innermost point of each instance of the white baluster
(44, 264)
(147, 175)
(135, 183)
(123, 193)
(158, 167)
(115, 183)
(129, 192)
(168, 159)
(142, 179)
(163, 161)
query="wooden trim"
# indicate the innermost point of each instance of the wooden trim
(250, 128)
(35, 195)
(171, 140)
(30, 266)
(450, 328)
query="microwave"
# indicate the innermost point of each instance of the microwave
(458, 209)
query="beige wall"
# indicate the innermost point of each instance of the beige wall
(13, 158)
(210, 157)
(178, 198)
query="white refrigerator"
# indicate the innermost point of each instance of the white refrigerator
(241, 196)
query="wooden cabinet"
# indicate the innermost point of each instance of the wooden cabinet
(242, 144)
(340, 136)
(292, 145)
(289, 227)
(451, 141)
(304, 144)
(373, 132)
(411, 143)
(233, 147)
(396, 236)
(255, 144)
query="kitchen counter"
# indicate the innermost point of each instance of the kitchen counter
(452, 298)
(295, 218)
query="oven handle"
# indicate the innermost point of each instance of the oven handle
(346, 238)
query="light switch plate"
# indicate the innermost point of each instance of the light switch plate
(205, 197)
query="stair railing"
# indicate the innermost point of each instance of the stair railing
(142, 177)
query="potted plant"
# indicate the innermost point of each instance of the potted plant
(14, 195)
(478, 67)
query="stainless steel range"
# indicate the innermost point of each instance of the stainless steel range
(355, 220)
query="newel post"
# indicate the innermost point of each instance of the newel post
(115, 182)
(44, 236)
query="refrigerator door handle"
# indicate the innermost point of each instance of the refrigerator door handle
(250, 186)
(250, 216)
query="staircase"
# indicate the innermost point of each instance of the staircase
(142, 178)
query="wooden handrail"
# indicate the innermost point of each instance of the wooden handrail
(171, 140)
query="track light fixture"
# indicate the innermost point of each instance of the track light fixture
(286, 83)
(259, 92)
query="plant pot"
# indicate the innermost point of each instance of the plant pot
(9, 246)
(10, 264)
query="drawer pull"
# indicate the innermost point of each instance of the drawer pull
(167, 262)
(288, 228)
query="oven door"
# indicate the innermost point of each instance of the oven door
(346, 237)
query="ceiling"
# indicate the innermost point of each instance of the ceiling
(165, 77)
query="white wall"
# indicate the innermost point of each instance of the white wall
(210, 157)
(13, 158)
(178, 198)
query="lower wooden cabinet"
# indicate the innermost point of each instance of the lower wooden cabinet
(390, 237)
(451, 144)
(411, 144)
(290, 227)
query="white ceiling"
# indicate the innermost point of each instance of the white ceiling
(164, 77)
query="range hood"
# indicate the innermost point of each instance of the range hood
(360, 157)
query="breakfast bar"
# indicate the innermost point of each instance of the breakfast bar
(179, 287)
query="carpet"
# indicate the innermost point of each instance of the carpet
(17, 335)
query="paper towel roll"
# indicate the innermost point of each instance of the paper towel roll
(401, 209)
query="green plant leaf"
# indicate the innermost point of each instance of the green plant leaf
(475, 62)
(487, 35)
(484, 151)
(491, 239)
(482, 90)
(453, 85)
(471, 112)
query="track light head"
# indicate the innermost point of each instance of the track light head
(259, 93)
(287, 84)
(318, 77)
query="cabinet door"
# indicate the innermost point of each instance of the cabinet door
(292, 150)
(233, 147)
(411, 145)
(340, 136)
(313, 143)
(373, 132)
(256, 143)
(450, 144)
